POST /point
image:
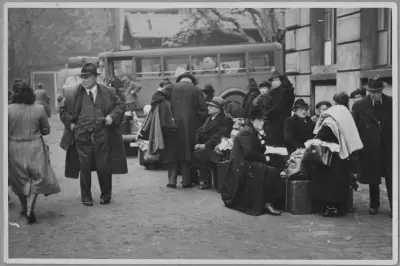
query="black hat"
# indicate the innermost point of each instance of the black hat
(89, 68)
(256, 113)
(187, 75)
(300, 103)
(217, 102)
(361, 92)
(319, 104)
(265, 84)
(164, 82)
(208, 87)
(275, 74)
(375, 84)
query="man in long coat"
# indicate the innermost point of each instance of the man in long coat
(42, 98)
(189, 110)
(209, 135)
(91, 114)
(373, 117)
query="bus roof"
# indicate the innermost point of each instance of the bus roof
(152, 52)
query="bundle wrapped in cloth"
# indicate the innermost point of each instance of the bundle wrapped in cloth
(293, 167)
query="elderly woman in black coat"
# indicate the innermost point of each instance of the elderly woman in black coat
(331, 183)
(250, 184)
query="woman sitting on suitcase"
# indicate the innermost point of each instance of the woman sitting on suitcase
(250, 185)
(331, 184)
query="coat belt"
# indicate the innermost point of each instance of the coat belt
(23, 139)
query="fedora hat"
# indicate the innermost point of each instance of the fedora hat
(217, 102)
(375, 84)
(208, 87)
(256, 113)
(275, 74)
(89, 69)
(164, 82)
(300, 103)
(187, 75)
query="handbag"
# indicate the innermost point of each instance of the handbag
(318, 153)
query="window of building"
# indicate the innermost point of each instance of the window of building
(232, 63)
(204, 64)
(330, 36)
(384, 37)
(148, 67)
(261, 62)
(122, 68)
(176, 65)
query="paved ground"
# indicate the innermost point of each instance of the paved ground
(148, 221)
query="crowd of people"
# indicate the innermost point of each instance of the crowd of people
(185, 124)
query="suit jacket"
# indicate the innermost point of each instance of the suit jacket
(212, 131)
(376, 138)
(297, 132)
(69, 110)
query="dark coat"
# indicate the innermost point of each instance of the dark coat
(282, 99)
(377, 140)
(248, 100)
(189, 111)
(43, 99)
(249, 182)
(212, 131)
(297, 132)
(69, 111)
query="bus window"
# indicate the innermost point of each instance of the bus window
(261, 62)
(148, 67)
(175, 66)
(122, 68)
(233, 63)
(204, 64)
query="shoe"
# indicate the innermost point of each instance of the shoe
(31, 218)
(188, 186)
(104, 202)
(271, 210)
(87, 203)
(204, 186)
(171, 185)
(331, 212)
(373, 211)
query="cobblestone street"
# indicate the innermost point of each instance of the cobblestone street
(147, 220)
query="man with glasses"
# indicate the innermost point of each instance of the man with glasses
(373, 117)
(92, 114)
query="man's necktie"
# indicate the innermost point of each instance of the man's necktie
(91, 96)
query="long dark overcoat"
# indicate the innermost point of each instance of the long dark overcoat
(370, 157)
(189, 110)
(112, 106)
(297, 131)
(249, 182)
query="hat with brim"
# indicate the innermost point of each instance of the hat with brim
(375, 85)
(256, 113)
(275, 74)
(188, 76)
(361, 92)
(217, 102)
(300, 103)
(165, 82)
(321, 103)
(89, 69)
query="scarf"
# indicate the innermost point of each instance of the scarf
(339, 119)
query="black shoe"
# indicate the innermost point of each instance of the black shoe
(373, 211)
(87, 203)
(171, 185)
(271, 210)
(31, 219)
(204, 186)
(188, 186)
(104, 202)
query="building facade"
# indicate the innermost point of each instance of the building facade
(332, 50)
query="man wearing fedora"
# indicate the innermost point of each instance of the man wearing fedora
(209, 135)
(299, 127)
(91, 114)
(208, 92)
(373, 117)
(189, 110)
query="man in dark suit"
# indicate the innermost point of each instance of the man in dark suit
(188, 108)
(209, 135)
(42, 98)
(91, 114)
(373, 117)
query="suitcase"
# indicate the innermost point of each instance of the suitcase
(222, 168)
(298, 197)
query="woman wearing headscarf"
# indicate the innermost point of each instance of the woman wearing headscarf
(337, 129)
(30, 171)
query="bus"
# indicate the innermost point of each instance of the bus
(226, 67)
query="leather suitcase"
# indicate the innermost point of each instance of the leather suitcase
(298, 197)
(222, 168)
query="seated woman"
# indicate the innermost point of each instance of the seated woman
(331, 184)
(321, 108)
(299, 127)
(250, 185)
